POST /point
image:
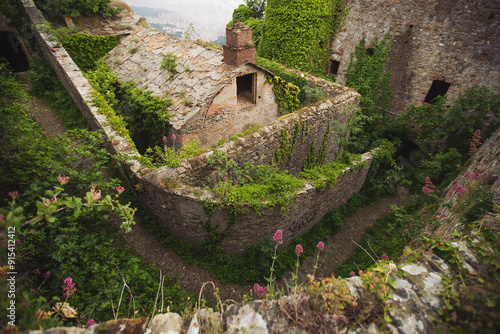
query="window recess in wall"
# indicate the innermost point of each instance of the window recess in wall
(438, 88)
(246, 90)
(334, 67)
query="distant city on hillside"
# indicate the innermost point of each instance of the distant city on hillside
(181, 25)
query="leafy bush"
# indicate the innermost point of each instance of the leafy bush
(75, 238)
(76, 8)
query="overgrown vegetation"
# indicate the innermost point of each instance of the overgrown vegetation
(297, 34)
(63, 181)
(86, 50)
(46, 85)
(75, 8)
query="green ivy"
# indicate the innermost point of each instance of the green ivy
(322, 151)
(311, 157)
(286, 95)
(139, 111)
(76, 8)
(297, 33)
(284, 153)
(86, 50)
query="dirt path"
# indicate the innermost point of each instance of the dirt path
(340, 246)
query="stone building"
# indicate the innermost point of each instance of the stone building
(440, 47)
(215, 95)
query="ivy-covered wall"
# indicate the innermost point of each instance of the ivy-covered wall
(297, 33)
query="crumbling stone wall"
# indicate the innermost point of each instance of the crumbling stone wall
(452, 40)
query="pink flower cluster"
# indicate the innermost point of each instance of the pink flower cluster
(260, 291)
(472, 176)
(69, 286)
(475, 142)
(321, 246)
(278, 236)
(429, 187)
(298, 249)
(46, 203)
(63, 179)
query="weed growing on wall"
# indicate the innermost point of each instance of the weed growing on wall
(169, 63)
(286, 95)
(298, 33)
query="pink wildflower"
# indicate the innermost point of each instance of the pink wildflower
(90, 322)
(298, 249)
(47, 274)
(321, 246)
(353, 274)
(68, 286)
(467, 175)
(476, 176)
(32, 290)
(278, 236)
(164, 139)
(174, 137)
(63, 179)
(385, 257)
(406, 230)
(37, 271)
(120, 189)
(13, 194)
(259, 290)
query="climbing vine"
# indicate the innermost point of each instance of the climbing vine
(322, 151)
(284, 153)
(286, 95)
(297, 33)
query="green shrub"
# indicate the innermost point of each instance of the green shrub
(76, 8)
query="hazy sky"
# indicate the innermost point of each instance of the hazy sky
(205, 12)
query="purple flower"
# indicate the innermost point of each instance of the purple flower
(321, 246)
(68, 286)
(385, 257)
(298, 249)
(90, 322)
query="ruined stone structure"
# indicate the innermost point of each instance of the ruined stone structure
(173, 196)
(440, 47)
(214, 96)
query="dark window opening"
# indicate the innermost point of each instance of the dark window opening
(370, 51)
(334, 67)
(11, 50)
(246, 89)
(438, 88)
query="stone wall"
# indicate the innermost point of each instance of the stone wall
(179, 209)
(452, 40)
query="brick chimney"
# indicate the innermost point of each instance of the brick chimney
(239, 47)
